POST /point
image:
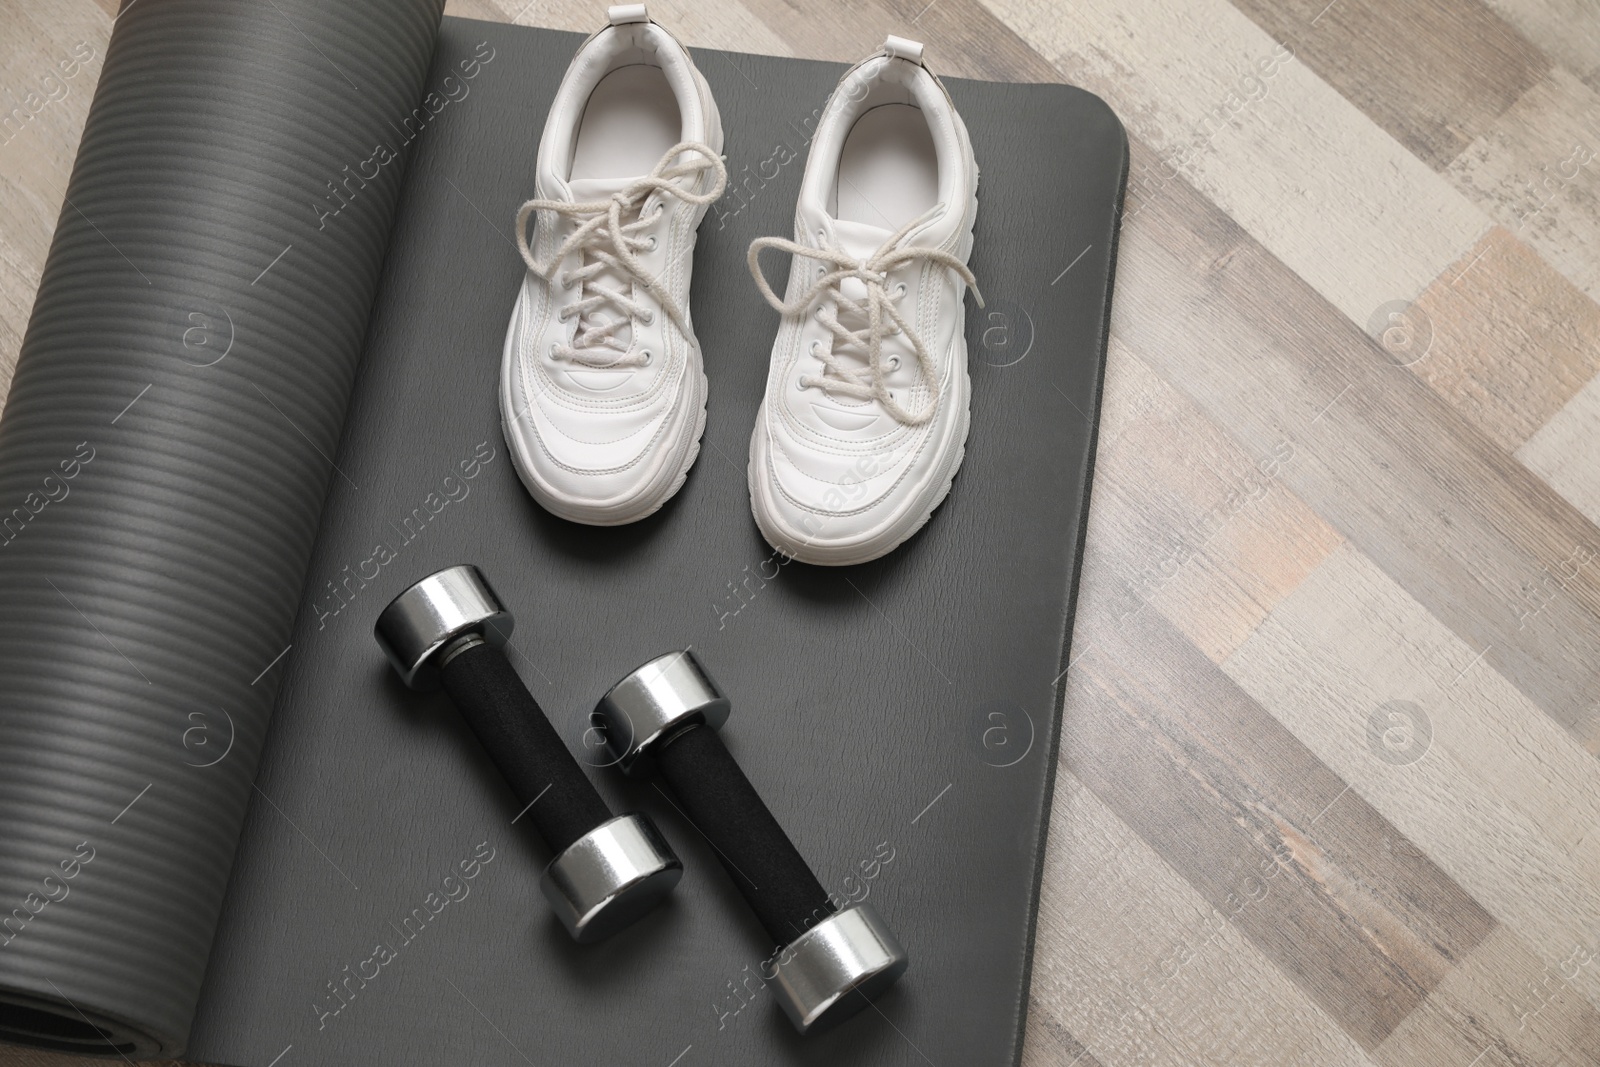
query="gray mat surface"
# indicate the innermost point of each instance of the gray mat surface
(901, 717)
(161, 475)
(175, 427)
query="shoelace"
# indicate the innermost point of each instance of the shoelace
(607, 242)
(879, 312)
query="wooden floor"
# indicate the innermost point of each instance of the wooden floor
(1329, 790)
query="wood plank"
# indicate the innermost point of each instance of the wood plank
(830, 30)
(19, 279)
(43, 114)
(727, 24)
(1566, 451)
(1504, 1004)
(1508, 340)
(1296, 165)
(1536, 171)
(39, 132)
(1567, 30)
(1147, 972)
(1379, 455)
(1434, 75)
(1190, 523)
(1048, 1044)
(1490, 790)
(963, 38)
(487, 10)
(1317, 880)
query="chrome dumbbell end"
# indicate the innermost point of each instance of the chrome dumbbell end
(654, 702)
(423, 626)
(610, 877)
(836, 968)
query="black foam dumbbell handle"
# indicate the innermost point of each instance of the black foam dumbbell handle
(754, 850)
(523, 744)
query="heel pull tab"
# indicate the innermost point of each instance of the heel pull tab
(903, 48)
(623, 14)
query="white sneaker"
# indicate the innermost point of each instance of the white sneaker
(865, 417)
(602, 391)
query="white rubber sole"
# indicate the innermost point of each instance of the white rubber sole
(823, 554)
(649, 500)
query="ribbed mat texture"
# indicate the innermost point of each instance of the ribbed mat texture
(164, 456)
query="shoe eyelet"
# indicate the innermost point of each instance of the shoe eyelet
(648, 317)
(650, 245)
(812, 348)
(894, 362)
(801, 384)
(555, 349)
(900, 290)
(647, 358)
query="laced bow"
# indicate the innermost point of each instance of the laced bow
(608, 240)
(878, 312)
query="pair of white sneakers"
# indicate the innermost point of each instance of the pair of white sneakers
(603, 391)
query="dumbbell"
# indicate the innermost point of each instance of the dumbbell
(830, 962)
(450, 629)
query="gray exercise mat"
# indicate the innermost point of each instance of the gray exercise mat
(192, 346)
(901, 718)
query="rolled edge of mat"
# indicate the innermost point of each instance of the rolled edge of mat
(164, 455)
(40, 1023)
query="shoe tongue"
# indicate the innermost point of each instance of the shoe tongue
(601, 189)
(860, 239)
(598, 188)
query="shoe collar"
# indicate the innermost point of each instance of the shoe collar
(629, 38)
(893, 74)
